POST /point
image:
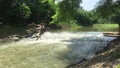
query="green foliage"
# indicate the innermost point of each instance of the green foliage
(118, 66)
(24, 10)
(116, 55)
(100, 27)
(65, 10)
(15, 12)
(97, 18)
(83, 17)
(117, 18)
(95, 27)
(7, 30)
(104, 6)
(59, 12)
(41, 11)
(110, 9)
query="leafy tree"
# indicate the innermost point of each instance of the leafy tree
(65, 10)
(44, 11)
(41, 11)
(14, 12)
(83, 17)
(23, 11)
(109, 9)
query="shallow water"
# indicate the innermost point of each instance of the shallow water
(53, 50)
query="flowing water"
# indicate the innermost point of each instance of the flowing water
(53, 50)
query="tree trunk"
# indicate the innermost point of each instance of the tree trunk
(119, 29)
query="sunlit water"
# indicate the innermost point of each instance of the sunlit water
(53, 50)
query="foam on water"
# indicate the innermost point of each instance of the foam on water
(53, 50)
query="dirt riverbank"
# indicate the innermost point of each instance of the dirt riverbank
(107, 58)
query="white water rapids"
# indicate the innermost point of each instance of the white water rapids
(53, 50)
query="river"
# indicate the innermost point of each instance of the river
(53, 50)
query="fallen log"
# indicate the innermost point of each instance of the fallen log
(111, 34)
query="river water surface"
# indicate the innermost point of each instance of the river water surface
(53, 50)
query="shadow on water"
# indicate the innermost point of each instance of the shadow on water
(81, 49)
(107, 58)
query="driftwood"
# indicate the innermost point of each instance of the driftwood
(36, 30)
(111, 34)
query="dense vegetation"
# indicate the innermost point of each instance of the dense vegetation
(109, 9)
(62, 13)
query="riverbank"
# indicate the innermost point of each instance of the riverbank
(7, 30)
(107, 58)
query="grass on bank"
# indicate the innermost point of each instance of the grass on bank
(6, 30)
(116, 55)
(118, 66)
(96, 27)
(11, 29)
